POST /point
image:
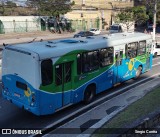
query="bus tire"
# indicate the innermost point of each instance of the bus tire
(89, 94)
(138, 72)
(155, 54)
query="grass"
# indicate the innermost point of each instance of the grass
(140, 108)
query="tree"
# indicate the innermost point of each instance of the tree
(11, 4)
(130, 16)
(150, 9)
(50, 7)
(7, 8)
(2, 8)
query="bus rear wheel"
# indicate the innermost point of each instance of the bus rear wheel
(138, 72)
(89, 94)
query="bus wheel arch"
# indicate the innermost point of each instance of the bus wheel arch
(89, 93)
(138, 71)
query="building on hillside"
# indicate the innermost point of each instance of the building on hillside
(93, 10)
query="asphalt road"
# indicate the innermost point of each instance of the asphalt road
(13, 117)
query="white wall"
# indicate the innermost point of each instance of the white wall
(20, 23)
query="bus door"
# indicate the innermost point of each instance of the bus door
(118, 67)
(144, 53)
(63, 79)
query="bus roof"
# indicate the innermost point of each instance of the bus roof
(56, 48)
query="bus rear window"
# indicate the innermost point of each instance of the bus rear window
(21, 85)
(47, 72)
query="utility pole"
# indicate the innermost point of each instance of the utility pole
(154, 20)
(111, 12)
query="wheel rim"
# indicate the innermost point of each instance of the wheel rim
(89, 95)
(138, 72)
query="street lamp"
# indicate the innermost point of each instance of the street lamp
(111, 12)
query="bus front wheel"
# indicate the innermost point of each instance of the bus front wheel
(138, 72)
(89, 94)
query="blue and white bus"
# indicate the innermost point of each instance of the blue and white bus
(43, 77)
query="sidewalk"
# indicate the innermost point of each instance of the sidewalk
(15, 38)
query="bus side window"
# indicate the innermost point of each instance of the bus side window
(46, 72)
(121, 54)
(126, 51)
(142, 48)
(67, 75)
(58, 74)
(120, 57)
(90, 61)
(149, 47)
(132, 50)
(79, 64)
(106, 57)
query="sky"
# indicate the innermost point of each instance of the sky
(20, 2)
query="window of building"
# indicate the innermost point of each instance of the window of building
(46, 72)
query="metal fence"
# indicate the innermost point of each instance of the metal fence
(43, 25)
(85, 24)
(19, 26)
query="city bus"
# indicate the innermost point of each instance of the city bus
(44, 77)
